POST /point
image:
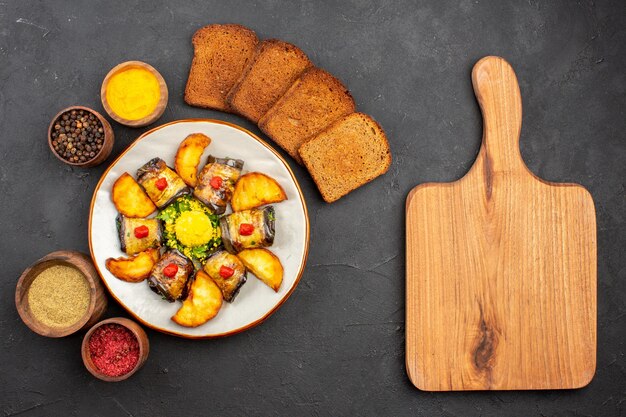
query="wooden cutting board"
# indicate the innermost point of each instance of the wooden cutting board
(501, 266)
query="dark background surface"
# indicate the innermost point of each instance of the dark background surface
(336, 347)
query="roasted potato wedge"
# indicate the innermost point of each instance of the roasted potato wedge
(134, 269)
(264, 265)
(130, 199)
(188, 157)
(255, 189)
(202, 303)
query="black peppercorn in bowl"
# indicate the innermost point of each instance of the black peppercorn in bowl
(80, 136)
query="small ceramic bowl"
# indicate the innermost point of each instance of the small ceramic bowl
(107, 144)
(78, 260)
(142, 339)
(158, 110)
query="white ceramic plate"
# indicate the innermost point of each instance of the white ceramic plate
(255, 301)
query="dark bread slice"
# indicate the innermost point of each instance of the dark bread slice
(349, 153)
(275, 66)
(221, 53)
(314, 101)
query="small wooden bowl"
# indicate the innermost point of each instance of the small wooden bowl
(142, 339)
(158, 110)
(78, 260)
(107, 144)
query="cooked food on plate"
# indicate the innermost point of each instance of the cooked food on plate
(217, 181)
(255, 189)
(203, 302)
(191, 228)
(161, 183)
(137, 235)
(248, 229)
(130, 199)
(264, 265)
(188, 157)
(133, 269)
(191, 251)
(170, 274)
(228, 272)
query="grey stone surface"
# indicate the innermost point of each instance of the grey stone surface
(336, 347)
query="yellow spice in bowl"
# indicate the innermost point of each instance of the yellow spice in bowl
(133, 93)
(59, 296)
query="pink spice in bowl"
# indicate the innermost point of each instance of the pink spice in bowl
(114, 349)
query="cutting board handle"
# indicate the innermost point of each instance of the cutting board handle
(498, 94)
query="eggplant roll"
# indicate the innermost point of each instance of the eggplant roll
(228, 272)
(161, 183)
(216, 194)
(253, 228)
(171, 287)
(134, 237)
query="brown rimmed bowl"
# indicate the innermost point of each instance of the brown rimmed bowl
(107, 143)
(158, 110)
(74, 259)
(142, 339)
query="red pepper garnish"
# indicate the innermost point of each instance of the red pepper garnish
(170, 270)
(141, 231)
(216, 183)
(161, 183)
(246, 229)
(226, 272)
